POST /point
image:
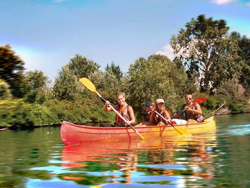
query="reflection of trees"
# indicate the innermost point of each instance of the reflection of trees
(194, 154)
(23, 150)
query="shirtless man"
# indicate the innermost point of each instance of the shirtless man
(192, 111)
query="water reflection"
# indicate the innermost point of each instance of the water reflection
(37, 158)
(174, 161)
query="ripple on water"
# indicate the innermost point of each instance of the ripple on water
(238, 130)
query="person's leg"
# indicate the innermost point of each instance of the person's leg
(191, 121)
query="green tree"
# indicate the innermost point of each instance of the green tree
(11, 70)
(37, 83)
(82, 67)
(208, 53)
(115, 70)
(4, 90)
(244, 53)
(155, 77)
(67, 85)
(37, 79)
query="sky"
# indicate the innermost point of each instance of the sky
(46, 34)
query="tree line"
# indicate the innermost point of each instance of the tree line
(209, 61)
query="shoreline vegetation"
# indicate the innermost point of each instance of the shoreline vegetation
(209, 62)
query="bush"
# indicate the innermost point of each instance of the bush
(4, 90)
(41, 115)
(16, 113)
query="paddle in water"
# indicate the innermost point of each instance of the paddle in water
(179, 130)
(92, 88)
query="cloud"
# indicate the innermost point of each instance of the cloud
(167, 51)
(223, 2)
(248, 4)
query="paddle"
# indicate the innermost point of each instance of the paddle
(179, 130)
(92, 88)
(200, 100)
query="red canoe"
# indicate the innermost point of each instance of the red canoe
(72, 133)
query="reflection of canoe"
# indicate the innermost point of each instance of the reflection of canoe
(71, 133)
(97, 151)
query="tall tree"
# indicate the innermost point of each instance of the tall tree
(37, 79)
(115, 69)
(4, 90)
(244, 52)
(155, 77)
(82, 67)
(11, 70)
(37, 83)
(67, 85)
(208, 53)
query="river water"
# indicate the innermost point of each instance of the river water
(38, 158)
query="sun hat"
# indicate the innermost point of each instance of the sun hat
(158, 101)
(148, 104)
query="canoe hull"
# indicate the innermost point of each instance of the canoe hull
(72, 133)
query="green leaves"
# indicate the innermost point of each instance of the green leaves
(11, 70)
(207, 51)
(156, 77)
(67, 85)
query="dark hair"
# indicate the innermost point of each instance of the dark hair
(148, 104)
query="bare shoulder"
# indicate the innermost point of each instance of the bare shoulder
(130, 107)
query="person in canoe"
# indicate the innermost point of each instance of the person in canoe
(124, 109)
(148, 110)
(191, 111)
(160, 108)
(148, 107)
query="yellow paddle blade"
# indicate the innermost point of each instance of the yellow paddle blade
(182, 131)
(88, 84)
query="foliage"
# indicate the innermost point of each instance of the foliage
(37, 86)
(4, 90)
(67, 85)
(37, 79)
(155, 77)
(78, 112)
(11, 70)
(244, 53)
(109, 85)
(115, 70)
(82, 67)
(208, 53)
(231, 90)
(14, 112)
(41, 115)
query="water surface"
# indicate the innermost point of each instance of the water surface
(38, 158)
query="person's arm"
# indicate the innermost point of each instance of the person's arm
(107, 107)
(151, 117)
(167, 115)
(195, 111)
(132, 116)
